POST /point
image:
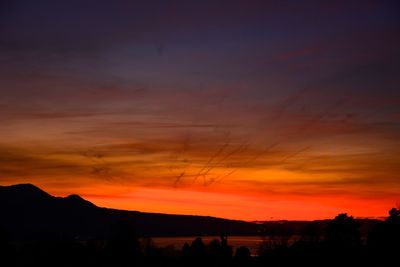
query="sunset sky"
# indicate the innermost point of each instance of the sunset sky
(252, 110)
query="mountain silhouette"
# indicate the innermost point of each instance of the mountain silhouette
(29, 213)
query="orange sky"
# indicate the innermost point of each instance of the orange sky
(229, 180)
(250, 111)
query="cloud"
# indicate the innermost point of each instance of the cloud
(208, 96)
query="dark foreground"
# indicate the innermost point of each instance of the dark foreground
(340, 245)
(37, 229)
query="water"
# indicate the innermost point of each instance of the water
(252, 242)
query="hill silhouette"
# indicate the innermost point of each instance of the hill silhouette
(30, 213)
(37, 229)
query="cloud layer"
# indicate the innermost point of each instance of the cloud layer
(260, 100)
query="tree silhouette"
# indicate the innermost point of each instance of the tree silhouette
(343, 233)
(198, 252)
(384, 239)
(343, 241)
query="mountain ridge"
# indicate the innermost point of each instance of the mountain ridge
(30, 212)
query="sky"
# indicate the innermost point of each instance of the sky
(251, 110)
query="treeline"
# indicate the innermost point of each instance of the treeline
(341, 244)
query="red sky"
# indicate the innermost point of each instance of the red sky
(247, 110)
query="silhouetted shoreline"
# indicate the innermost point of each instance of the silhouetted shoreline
(37, 229)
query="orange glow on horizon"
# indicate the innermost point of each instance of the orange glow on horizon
(249, 206)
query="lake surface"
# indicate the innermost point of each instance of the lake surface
(252, 242)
